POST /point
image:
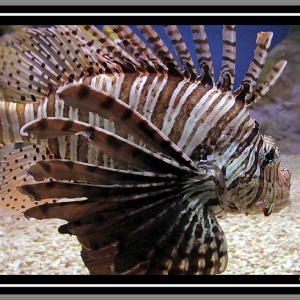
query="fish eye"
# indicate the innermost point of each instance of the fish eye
(269, 153)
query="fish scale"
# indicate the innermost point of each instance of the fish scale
(147, 151)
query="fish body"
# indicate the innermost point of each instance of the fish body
(123, 109)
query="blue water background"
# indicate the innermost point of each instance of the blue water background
(246, 43)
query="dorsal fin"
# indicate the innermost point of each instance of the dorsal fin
(131, 43)
(263, 42)
(182, 51)
(203, 54)
(105, 47)
(160, 49)
(270, 80)
(35, 61)
(227, 72)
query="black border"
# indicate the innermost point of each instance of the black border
(104, 285)
(173, 8)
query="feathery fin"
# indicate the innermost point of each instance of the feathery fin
(182, 51)
(128, 153)
(86, 98)
(133, 45)
(58, 189)
(160, 49)
(13, 169)
(61, 169)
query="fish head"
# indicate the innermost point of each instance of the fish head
(275, 179)
(263, 189)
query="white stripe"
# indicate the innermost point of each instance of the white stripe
(232, 148)
(59, 107)
(223, 106)
(29, 115)
(198, 111)
(97, 82)
(42, 109)
(167, 123)
(119, 82)
(232, 127)
(107, 81)
(73, 114)
(59, 113)
(4, 122)
(149, 97)
(150, 100)
(12, 110)
(136, 90)
(238, 167)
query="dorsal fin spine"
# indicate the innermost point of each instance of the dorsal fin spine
(182, 51)
(227, 73)
(203, 55)
(263, 42)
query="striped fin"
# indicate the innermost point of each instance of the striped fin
(111, 198)
(131, 43)
(34, 61)
(101, 262)
(182, 51)
(263, 43)
(119, 149)
(57, 189)
(203, 55)
(86, 98)
(110, 33)
(270, 80)
(227, 73)
(160, 49)
(13, 169)
(186, 240)
(104, 46)
(60, 169)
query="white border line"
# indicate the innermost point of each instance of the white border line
(146, 14)
(150, 285)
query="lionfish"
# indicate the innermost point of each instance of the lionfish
(138, 151)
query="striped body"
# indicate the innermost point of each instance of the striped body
(177, 107)
(129, 112)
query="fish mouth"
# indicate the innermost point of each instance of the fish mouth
(280, 199)
(261, 205)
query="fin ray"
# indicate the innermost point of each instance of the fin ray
(182, 51)
(122, 114)
(203, 55)
(13, 170)
(117, 148)
(227, 72)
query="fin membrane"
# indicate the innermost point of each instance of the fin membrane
(13, 170)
